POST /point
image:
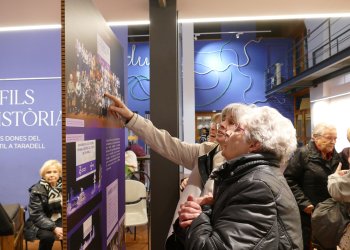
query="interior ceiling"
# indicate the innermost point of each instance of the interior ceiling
(35, 12)
(209, 31)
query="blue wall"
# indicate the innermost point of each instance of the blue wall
(226, 71)
(138, 77)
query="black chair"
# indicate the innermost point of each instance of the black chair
(11, 227)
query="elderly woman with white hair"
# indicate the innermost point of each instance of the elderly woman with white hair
(252, 206)
(45, 206)
(308, 170)
(201, 159)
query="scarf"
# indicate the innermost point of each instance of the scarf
(54, 198)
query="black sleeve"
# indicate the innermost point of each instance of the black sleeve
(294, 175)
(37, 214)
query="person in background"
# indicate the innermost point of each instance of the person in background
(45, 205)
(339, 184)
(214, 126)
(252, 206)
(201, 159)
(131, 164)
(204, 135)
(308, 170)
(345, 153)
(339, 188)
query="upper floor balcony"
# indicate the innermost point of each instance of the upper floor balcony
(321, 54)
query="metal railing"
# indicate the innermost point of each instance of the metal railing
(326, 40)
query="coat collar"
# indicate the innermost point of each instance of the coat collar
(243, 164)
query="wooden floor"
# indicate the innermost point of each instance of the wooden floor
(35, 245)
(141, 242)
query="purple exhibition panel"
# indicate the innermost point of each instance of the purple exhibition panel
(94, 140)
(30, 134)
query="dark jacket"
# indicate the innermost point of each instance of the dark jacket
(205, 164)
(307, 175)
(39, 210)
(253, 209)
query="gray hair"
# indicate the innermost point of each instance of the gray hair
(236, 110)
(216, 118)
(275, 133)
(50, 163)
(320, 128)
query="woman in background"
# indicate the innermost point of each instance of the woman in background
(45, 205)
(214, 126)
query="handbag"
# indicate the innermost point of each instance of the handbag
(328, 222)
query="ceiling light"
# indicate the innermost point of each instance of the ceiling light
(129, 23)
(257, 18)
(31, 27)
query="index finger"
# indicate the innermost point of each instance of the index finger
(338, 168)
(110, 96)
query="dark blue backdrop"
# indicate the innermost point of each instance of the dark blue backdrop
(226, 71)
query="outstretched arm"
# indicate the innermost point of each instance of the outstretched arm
(159, 140)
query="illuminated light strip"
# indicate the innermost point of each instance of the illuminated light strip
(190, 20)
(258, 18)
(31, 27)
(30, 78)
(330, 97)
(129, 23)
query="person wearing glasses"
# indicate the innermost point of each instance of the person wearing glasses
(201, 159)
(308, 170)
(252, 206)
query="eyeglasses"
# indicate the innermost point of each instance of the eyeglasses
(235, 127)
(328, 138)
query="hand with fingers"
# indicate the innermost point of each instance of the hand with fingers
(118, 109)
(58, 231)
(191, 209)
(339, 171)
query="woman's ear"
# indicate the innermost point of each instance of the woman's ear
(254, 146)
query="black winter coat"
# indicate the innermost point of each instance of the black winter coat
(39, 211)
(254, 208)
(307, 175)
